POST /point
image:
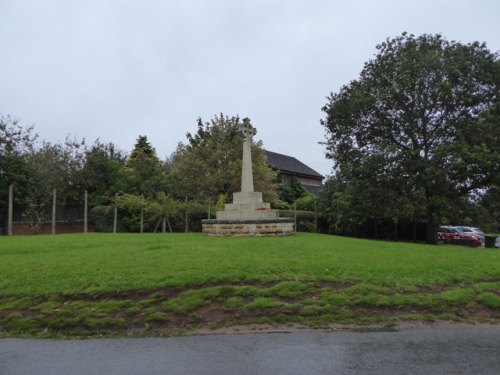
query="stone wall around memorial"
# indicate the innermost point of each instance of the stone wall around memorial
(258, 228)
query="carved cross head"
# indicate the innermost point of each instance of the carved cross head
(247, 129)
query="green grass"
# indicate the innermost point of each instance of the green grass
(261, 303)
(96, 263)
(84, 285)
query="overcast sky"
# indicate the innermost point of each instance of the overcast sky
(118, 69)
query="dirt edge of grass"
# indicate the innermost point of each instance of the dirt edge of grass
(309, 305)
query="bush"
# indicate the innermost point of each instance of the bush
(281, 205)
(306, 203)
(305, 219)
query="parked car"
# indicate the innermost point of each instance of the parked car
(447, 233)
(455, 236)
(473, 231)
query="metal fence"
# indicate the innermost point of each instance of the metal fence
(56, 218)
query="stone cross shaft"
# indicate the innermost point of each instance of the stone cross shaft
(248, 215)
(246, 168)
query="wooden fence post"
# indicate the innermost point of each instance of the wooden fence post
(54, 198)
(315, 218)
(85, 212)
(142, 213)
(186, 218)
(142, 219)
(11, 205)
(294, 217)
(115, 219)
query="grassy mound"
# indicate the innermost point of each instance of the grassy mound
(94, 284)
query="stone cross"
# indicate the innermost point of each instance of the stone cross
(246, 168)
(247, 129)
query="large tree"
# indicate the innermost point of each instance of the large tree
(146, 174)
(15, 142)
(57, 166)
(413, 116)
(102, 172)
(209, 164)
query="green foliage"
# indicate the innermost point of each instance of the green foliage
(221, 202)
(164, 206)
(130, 207)
(102, 172)
(292, 190)
(301, 215)
(306, 203)
(281, 205)
(409, 132)
(209, 164)
(102, 217)
(130, 201)
(305, 219)
(142, 149)
(15, 142)
(145, 174)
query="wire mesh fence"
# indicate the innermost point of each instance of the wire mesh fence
(41, 220)
(122, 213)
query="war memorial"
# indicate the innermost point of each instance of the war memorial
(248, 215)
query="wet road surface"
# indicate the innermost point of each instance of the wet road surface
(460, 349)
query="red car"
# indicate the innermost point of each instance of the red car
(455, 236)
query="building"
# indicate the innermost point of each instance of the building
(289, 167)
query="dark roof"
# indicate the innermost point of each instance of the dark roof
(290, 165)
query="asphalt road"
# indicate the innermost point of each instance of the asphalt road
(426, 350)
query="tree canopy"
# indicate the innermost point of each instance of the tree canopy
(209, 164)
(145, 173)
(412, 128)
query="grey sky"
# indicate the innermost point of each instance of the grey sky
(117, 69)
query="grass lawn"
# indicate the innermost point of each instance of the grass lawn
(105, 284)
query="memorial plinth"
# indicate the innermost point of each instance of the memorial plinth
(248, 215)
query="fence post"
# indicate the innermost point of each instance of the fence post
(294, 217)
(315, 218)
(85, 212)
(186, 218)
(115, 219)
(142, 214)
(11, 205)
(54, 211)
(142, 219)
(209, 204)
